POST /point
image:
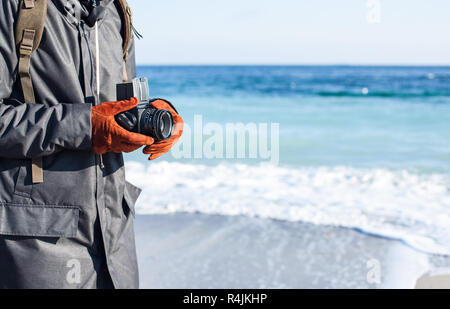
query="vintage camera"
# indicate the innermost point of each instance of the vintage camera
(143, 119)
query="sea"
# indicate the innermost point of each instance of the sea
(359, 147)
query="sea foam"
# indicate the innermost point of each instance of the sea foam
(403, 205)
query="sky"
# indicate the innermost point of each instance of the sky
(391, 32)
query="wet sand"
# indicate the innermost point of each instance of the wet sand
(210, 251)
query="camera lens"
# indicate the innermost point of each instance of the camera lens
(157, 123)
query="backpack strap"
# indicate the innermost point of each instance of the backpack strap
(127, 31)
(29, 29)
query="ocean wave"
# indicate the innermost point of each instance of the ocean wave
(383, 94)
(407, 206)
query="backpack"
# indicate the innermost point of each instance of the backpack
(28, 34)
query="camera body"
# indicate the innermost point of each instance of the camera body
(143, 119)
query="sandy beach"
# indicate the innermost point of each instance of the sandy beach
(212, 251)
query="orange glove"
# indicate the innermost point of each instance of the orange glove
(108, 135)
(161, 147)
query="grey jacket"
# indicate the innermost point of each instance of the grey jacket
(75, 230)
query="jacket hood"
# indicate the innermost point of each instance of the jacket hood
(80, 10)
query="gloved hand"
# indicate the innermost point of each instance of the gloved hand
(161, 147)
(108, 135)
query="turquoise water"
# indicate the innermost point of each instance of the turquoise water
(360, 147)
(325, 116)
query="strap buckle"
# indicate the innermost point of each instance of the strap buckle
(26, 46)
(25, 50)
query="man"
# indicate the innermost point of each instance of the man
(66, 211)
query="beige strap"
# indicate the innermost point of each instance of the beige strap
(32, 15)
(37, 170)
(125, 74)
(127, 26)
(25, 50)
(127, 32)
(29, 30)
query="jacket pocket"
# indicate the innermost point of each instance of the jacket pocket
(130, 196)
(39, 220)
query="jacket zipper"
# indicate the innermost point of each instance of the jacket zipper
(91, 83)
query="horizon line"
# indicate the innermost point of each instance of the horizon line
(293, 65)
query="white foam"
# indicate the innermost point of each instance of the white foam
(405, 266)
(407, 206)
